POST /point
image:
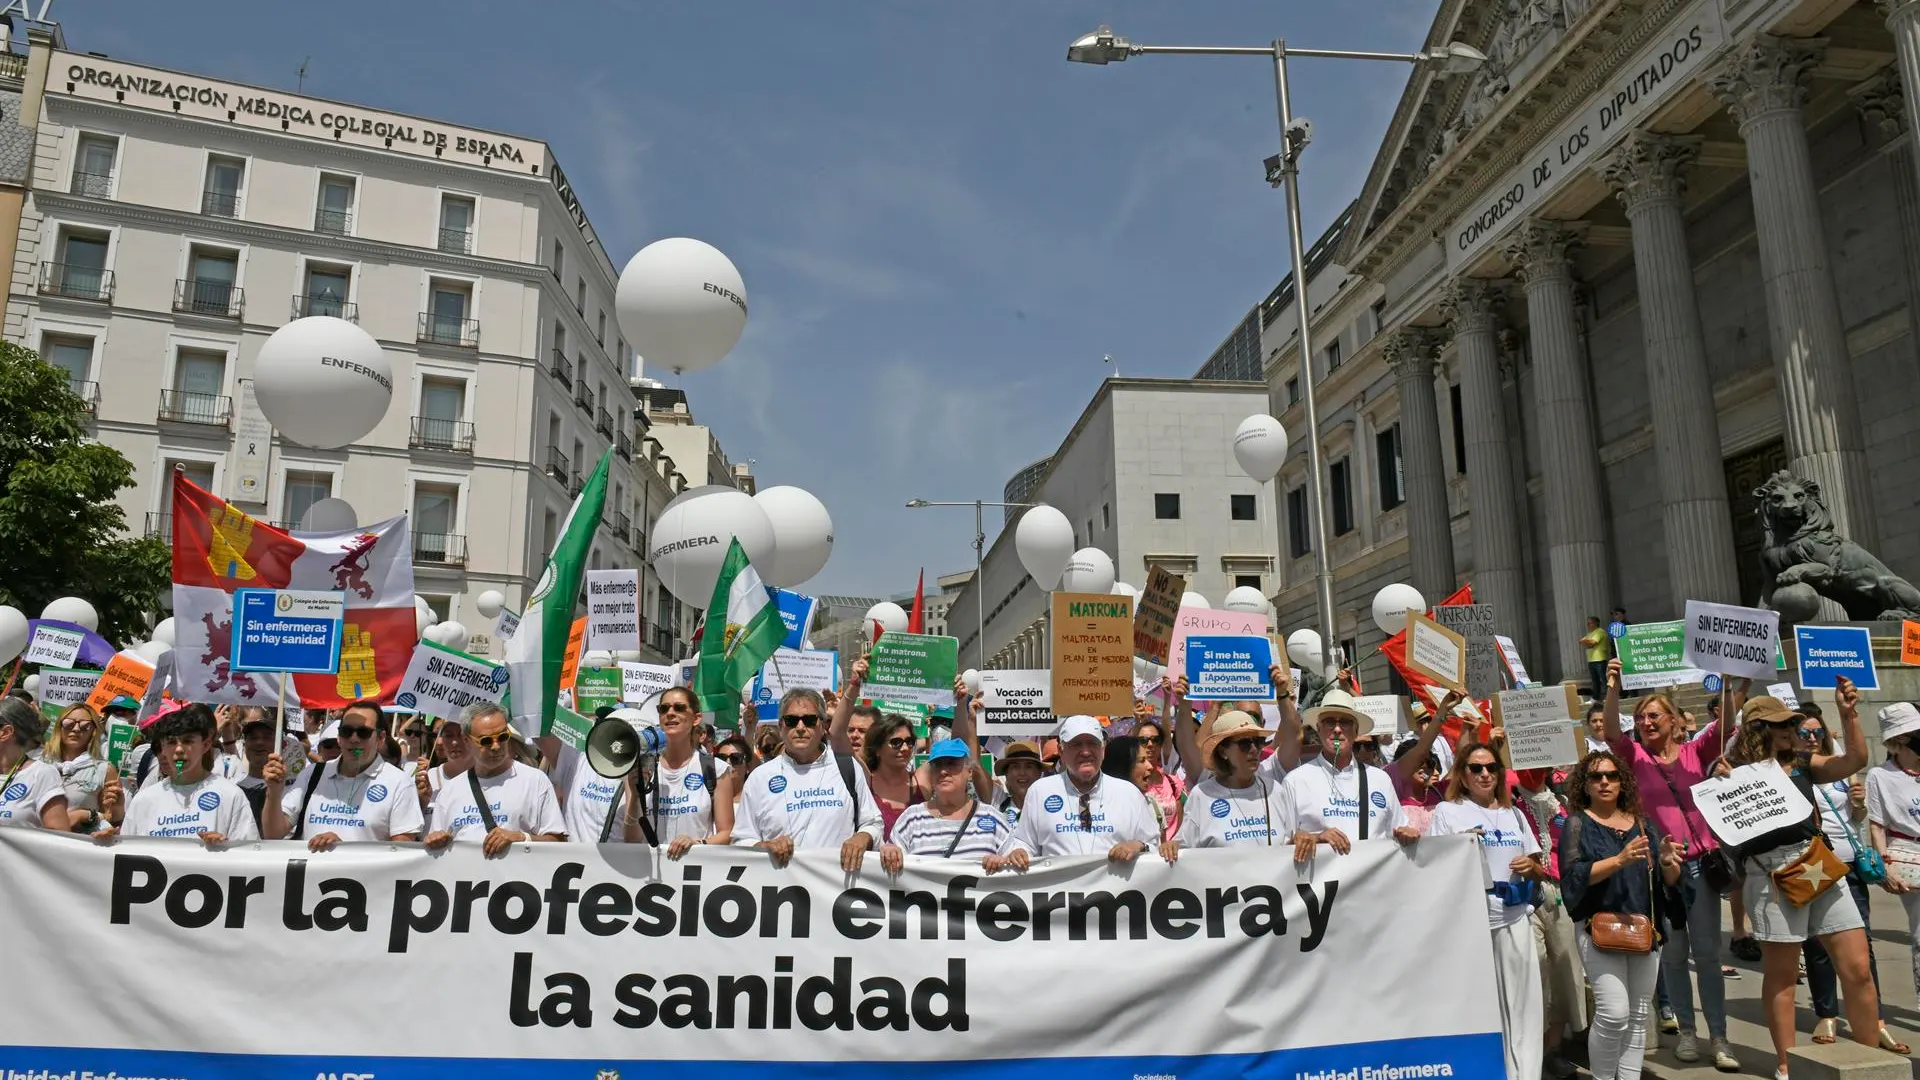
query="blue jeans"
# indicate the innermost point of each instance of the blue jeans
(1700, 940)
(1821, 981)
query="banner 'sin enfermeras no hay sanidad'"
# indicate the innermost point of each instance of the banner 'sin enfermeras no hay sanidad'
(218, 549)
(573, 962)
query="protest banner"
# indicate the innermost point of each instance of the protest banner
(295, 631)
(1536, 705)
(1436, 652)
(52, 646)
(796, 614)
(1510, 655)
(913, 667)
(1092, 636)
(508, 624)
(1783, 693)
(613, 610)
(1738, 642)
(1543, 746)
(127, 675)
(1750, 802)
(793, 669)
(1540, 722)
(1016, 702)
(567, 961)
(119, 740)
(1229, 668)
(1654, 655)
(570, 660)
(1910, 643)
(571, 728)
(1210, 622)
(63, 687)
(1387, 711)
(441, 681)
(1153, 615)
(640, 682)
(594, 687)
(1828, 653)
(1474, 622)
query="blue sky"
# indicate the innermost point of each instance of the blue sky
(942, 224)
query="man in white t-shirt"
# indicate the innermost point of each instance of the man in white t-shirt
(1080, 810)
(357, 796)
(520, 803)
(184, 799)
(808, 797)
(1323, 798)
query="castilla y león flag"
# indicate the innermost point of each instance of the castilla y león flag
(217, 549)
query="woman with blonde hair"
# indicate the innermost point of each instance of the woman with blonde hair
(92, 785)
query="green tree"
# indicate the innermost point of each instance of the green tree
(61, 531)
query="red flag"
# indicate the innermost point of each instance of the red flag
(917, 618)
(1395, 650)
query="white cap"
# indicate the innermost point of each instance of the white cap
(1075, 726)
(331, 731)
(1897, 719)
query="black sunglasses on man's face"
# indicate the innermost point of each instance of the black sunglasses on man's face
(794, 720)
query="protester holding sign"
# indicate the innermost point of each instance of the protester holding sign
(811, 795)
(1789, 889)
(31, 795)
(1335, 799)
(92, 785)
(356, 797)
(1233, 805)
(1893, 813)
(1081, 810)
(186, 799)
(951, 823)
(1665, 769)
(504, 802)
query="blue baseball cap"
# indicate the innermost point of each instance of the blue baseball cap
(948, 748)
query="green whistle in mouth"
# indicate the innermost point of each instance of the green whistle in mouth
(179, 767)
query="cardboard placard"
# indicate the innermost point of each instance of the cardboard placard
(51, 646)
(1153, 616)
(127, 675)
(1229, 668)
(1750, 802)
(1510, 655)
(1536, 705)
(1092, 650)
(613, 610)
(1474, 622)
(441, 681)
(1387, 711)
(1731, 640)
(1544, 746)
(1016, 702)
(1210, 622)
(640, 682)
(570, 663)
(1910, 643)
(1436, 652)
(62, 688)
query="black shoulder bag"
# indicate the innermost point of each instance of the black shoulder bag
(1717, 867)
(479, 799)
(313, 785)
(1366, 815)
(954, 845)
(853, 788)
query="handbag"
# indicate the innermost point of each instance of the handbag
(1717, 868)
(1810, 874)
(1624, 932)
(1866, 861)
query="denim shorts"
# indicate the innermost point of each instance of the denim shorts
(1777, 921)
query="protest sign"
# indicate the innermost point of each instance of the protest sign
(441, 681)
(613, 610)
(52, 646)
(119, 740)
(1229, 668)
(1209, 622)
(1016, 702)
(571, 728)
(1543, 746)
(1540, 722)
(1750, 802)
(1910, 643)
(570, 661)
(1510, 655)
(1436, 652)
(287, 630)
(1828, 653)
(1783, 693)
(640, 682)
(1730, 640)
(1474, 623)
(1387, 711)
(508, 624)
(1536, 705)
(127, 675)
(594, 687)
(913, 667)
(1092, 654)
(1154, 614)
(63, 687)
(763, 974)
(791, 669)
(1654, 655)
(796, 613)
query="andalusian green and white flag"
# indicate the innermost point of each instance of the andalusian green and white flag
(537, 651)
(743, 629)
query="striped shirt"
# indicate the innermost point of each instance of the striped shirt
(920, 832)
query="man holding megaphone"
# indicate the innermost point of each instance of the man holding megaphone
(649, 775)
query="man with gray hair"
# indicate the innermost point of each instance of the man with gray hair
(503, 802)
(809, 797)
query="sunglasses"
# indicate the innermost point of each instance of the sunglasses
(1153, 740)
(1251, 746)
(794, 720)
(1810, 733)
(488, 742)
(676, 706)
(1781, 725)
(1480, 768)
(902, 743)
(1610, 777)
(416, 732)
(76, 725)
(733, 760)
(353, 732)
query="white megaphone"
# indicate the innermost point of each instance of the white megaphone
(619, 740)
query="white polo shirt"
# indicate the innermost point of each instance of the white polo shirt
(1050, 821)
(1317, 797)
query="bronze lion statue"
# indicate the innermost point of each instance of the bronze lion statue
(1805, 559)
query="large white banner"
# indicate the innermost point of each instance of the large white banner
(570, 962)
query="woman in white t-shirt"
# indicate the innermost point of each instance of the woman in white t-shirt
(1234, 806)
(1478, 802)
(31, 794)
(92, 785)
(1893, 813)
(950, 822)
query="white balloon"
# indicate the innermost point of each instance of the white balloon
(433, 633)
(596, 658)
(1089, 570)
(1391, 604)
(1306, 650)
(490, 603)
(72, 609)
(1193, 599)
(681, 303)
(1246, 599)
(423, 622)
(13, 633)
(1044, 541)
(323, 382)
(164, 631)
(1260, 446)
(329, 515)
(31, 684)
(152, 651)
(630, 656)
(802, 535)
(1121, 588)
(453, 635)
(885, 616)
(691, 538)
(970, 679)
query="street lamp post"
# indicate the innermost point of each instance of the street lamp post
(1283, 170)
(979, 557)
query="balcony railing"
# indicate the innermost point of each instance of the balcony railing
(13, 65)
(76, 282)
(456, 241)
(87, 391)
(199, 296)
(187, 407)
(558, 466)
(304, 306)
(449, 330)
(440, 549)
(605, 424)
(576, 485)
(220, 204)
(333, 222)
(430, 433)
(622, 525)
(583, 397)
(562, 369)
(623, 446)
(93, 185)
(160, 525)
(661, 638)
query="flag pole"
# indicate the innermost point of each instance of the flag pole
(14, 674)
(280, 715)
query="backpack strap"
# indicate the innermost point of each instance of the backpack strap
(1366, 814)
(479, 799)
(706, 771)
(145, 767)
(313, 784)
(853, 788)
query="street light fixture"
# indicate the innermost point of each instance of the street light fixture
(1103, 46)
(979, 556)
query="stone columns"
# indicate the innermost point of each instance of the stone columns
(1429, 523)
(1498, 576)
(1569, 457)
(1647, 175)
(1903, 22)
(1764, 85)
